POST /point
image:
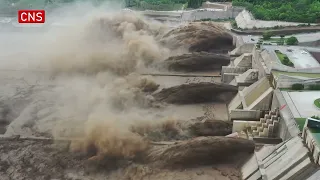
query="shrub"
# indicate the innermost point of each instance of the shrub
(317, 103)
(314, 87)
(276, 27)
(286, 60)
(297, 86)
(234, 24)
(292, 41)
(280, 43)
(267, 35)
(290, 64)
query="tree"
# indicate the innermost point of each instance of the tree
(292, 41)
(234, 25)
(194, 3)
(297, 86)
(306, 11)
(286, 60)
(267, 35)
(314, 87)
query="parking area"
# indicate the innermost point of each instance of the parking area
(300, 56)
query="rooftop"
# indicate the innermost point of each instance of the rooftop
(301, 104)
(299, 56)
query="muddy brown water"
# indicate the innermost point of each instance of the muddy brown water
(45, 160)
(3, 127)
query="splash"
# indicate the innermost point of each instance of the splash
(109, 138)
(119, 43)
(91, 88)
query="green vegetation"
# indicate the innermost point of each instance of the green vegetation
(300, 122)
(6, 5)
(316, 133)
(234, 24)
(160, 5)
(284, 59)
(279, 41)
(307, 11)
(267, 35)
(215, 20)
(317, 102)
(307, 75)
(314, 87)
(315, 117)
(297, 87)
(292, 41)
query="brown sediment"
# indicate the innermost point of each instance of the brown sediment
(197, 62)
(42, 160)
(197, 93)
(211, 128)
(96, 63)
(199, 151)
(200, 36)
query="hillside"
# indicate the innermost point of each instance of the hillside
(307, 11)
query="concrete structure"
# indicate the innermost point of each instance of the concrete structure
(305, 39)
(193, 15)
(299, 56)
(267, 126)
(227, 13)
(268, 65)
(286, 80)
(286, 161)
(258, 96)
(230, 72)
(259, 74)
(241, 48)
(245, 20)
(312, 142)
(245, 60)
(217, 5)
(301, 104)
(288, 127)
(238, 66)
(247, 78)
(314, 176)
(247, 115)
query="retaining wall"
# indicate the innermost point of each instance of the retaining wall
(287, 127)
(240, 114)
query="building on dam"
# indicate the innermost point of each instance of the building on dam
(278, 106)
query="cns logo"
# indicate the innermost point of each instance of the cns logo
(31, 16)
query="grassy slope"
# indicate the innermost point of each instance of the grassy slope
(317, 102)
(281, 56)
(309, 75)
(300, 122)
